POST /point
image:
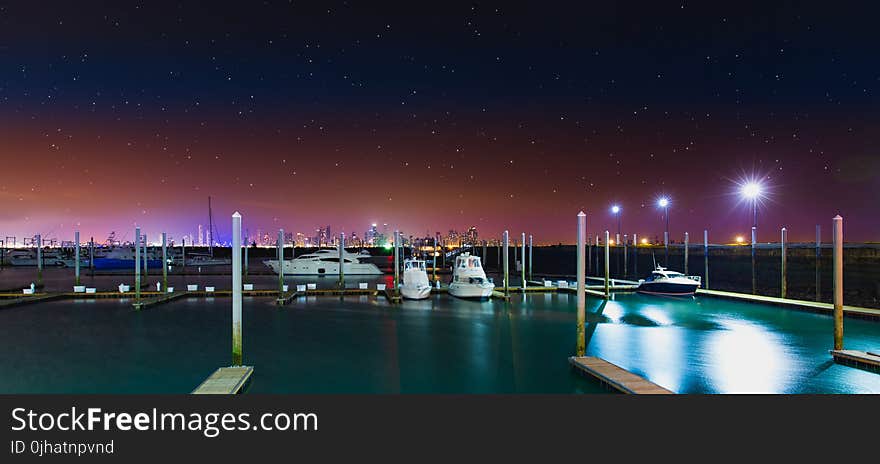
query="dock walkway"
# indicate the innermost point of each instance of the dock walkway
(166, 298)
(226, 381)
(860, 359)
(815, 306)
(616, 377)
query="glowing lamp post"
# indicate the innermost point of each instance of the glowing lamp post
(751, 191)
(663, 202)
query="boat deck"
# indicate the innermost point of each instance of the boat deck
(226, 381)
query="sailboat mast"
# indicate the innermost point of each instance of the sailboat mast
(210, 228)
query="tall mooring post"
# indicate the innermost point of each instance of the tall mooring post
(396, 260)
(686, 246)
(244, 261)
(523, 264)
(624, 256)
(581, 283)
(505, 242)
(164, 263)
(706, 258)
(39, 260)
(838, 282)
(636, 256)
(784, 277)
(144, 237)
(434, 258)
(484, 254)
(92, 254)
(531, 256)
(279, 250)
(607, 268)
(137, 267)
(754, 265)
(341, 260)
(666, 248)
(818, 261)
(183, 256)
(236, 289)
(76, 257)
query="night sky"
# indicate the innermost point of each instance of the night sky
(432, 116)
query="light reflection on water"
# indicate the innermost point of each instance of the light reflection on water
(441, 344)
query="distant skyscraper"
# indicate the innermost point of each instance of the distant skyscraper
(201, 239)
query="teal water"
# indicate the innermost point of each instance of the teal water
(440, 345)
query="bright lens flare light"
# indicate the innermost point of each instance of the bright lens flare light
(751, 190)
(644, 241)
(615, 209)
(740, 239)
(663, 202)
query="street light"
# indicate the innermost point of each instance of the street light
(663, 202)
(752, 191)
(616, 211)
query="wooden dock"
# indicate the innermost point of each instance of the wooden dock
(615, 377)
(814, 306)
(20, 299)
(861, 359)
(166, 298)
(393, 296)
(226, 381)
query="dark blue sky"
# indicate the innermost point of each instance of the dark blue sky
(430, 117)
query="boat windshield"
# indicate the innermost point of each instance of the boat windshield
(674, 274)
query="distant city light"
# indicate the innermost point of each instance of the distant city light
(611, 242)
(740, 239)
(663, 202)
(644, 241)
(387, 246)
(615, 209)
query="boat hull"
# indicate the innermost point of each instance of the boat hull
(313, 268)
(113, 263)
(470, 291)
(415, 293)
(667, 288)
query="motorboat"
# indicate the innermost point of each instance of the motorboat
(28, 257)
(665, 282)
(469, 279)
(206, 260)
(325, 261)
(123, 257)
(415, 284)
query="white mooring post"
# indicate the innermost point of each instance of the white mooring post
(279, 250)
(76, 256)
(164, 263)
(506, 244)
(754, 261)
(396, 260)
(706, 258)
(531, 256)
(523, 264)
(39, 259)
(607, 269)
(838, 282)
(686, 246)
(784, 277)
(236, 289)
(581, 282)
(342, 260)
(818, 260)
(137, 266)
(635, 256)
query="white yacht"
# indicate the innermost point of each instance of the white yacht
(326, 261)
(28, 257)
(415, 284)
(206, 260)
(469, 279)
(665, 282)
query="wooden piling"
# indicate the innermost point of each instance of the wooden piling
(164, 262)
(434, 258)
(137, 267)
(523, 264)
(581, 283)
(635, 256)
(754, 267)
(818, 261)
(838, 282)
(784, 277)
(706, 258)
(396, 260)
(39, 260)
(76, 257)
(686, 244)
(236, 289)
(279, 250)
(506, 243)
(531, 256)
(342, 260)
(607, 269)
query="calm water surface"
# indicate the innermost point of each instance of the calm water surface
(439, 345)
